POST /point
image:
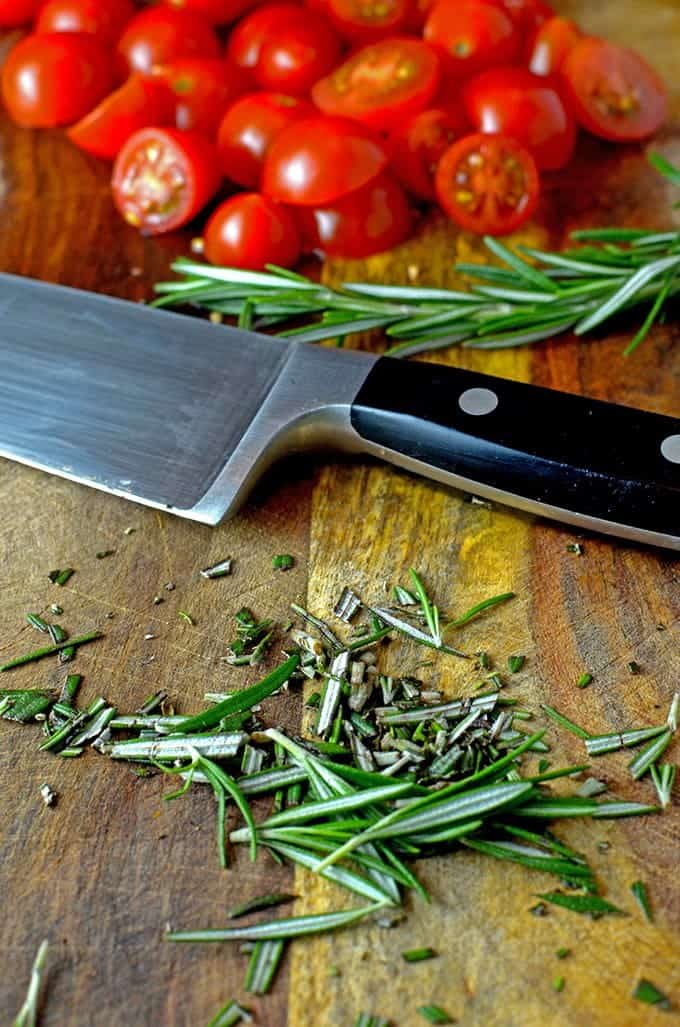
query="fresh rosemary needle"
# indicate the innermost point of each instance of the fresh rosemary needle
(28, 1014)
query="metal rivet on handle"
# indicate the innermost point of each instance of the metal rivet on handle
(670, 448)
(478, 401)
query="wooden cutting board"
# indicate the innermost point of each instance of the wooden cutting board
(104, 871)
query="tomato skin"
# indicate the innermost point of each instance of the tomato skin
(257, 28)
(248, 129)
(298, 56)
(104, 18)
(553, 41)
(217, 12)
(250, 231)
(474, 176)
(140, 102)
(56, 78)
(369, 220)
(365, 21)
(203, 88)
(528, 15)
(315, 161)
(382, 83)
(614, 93)
(158, 35)
(15, 13)
(472, 35)
(416, 146)
(527, 107)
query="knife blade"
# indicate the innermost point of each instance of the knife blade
(184, 415)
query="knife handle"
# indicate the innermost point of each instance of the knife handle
(588, 463)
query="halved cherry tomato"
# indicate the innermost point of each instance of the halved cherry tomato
(472, 35)
(298, 55)
(382, 83)
(250, 231)
(368, 21)
(105, 18)
(203, 89)
(374, 218)
(248, 129)
(162, 178)
(217, 12)
(248, 37)
(140, 102)
(56, 78)
(417, 145)
(158, 35)
(15, 13)
(527, 107)
(614, 92)
(487, 184)
(553, 41)
(315, 161)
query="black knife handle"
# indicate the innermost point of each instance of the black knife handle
(593, 464)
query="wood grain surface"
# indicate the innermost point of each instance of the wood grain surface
(102, 873)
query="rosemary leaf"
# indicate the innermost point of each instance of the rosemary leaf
(24, 704)
(663, 777)
(597, 745)
(37, 622)
(647, 992)
(231, 1015)
(648, 756)
(28, 1014)
(49, 650)
(564, 722)
(264, 962)
(474, 611)
(584, 680)
(434, 1014)
(639, 890)
(292, 927)
(515, 663)
(592, 904)
(418, 955)
(259, 903)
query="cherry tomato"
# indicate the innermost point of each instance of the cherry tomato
(15, 13)
(529, 15)
(203, 89)
(250, 231)
(140, 102)
(382, 83)
(487, 184)
(162, 178)
(553, 41)
(297, 55)
(217, 12)
(417, 145)
(368, 21)
(105, 18)
(374, 218)
(158, 35)
(473, 35)
(614, 92)
(527, 107)
(55, 79)
(248, 129)
(248, 37)
(315, 161)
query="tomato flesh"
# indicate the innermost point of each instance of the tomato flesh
(158, 35)
(381, 83)
(417, 145)
(217, 12)
(162, 178)
(54, 79)
(104, 18)
(527, 107)
(554, 40)
(487, 184)
(249, 128)
(315, 161)
(140, 102)
(614, 92)
(251, 231)
(472, 35)
(203, 89)
(297, 56)
(15, 13)
(368, 21)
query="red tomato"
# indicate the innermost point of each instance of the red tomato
(487, 184)
(249, 36)
(105, 18)
(367, 20)
(527, 107)
(553, 41)
(382, 83)
(297, 55)
(528, 14)
(251, 231)
(248, 129)
(14, 13)
(369, 220)
(417, 145)
(55, 79)
(473, 35)
(217, 12)
(315, 161)
(162, 178)
(203, 89)
(158, 35)
(140, 102)
(614, 92)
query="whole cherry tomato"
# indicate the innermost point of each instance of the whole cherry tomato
(162, 178)
(527, 107)
(140, 102)
(614, 92)
(315, 161)
(487, 184)
(158, 35)
(259, 27)
(297, 55)
(203, 88)
(15, 13)
(251, 231)
(366, 21)
(105, 18)
(382, 83)
(217, 12)
(553, 41)
(248, 129)
(472, 35)
(529, 15)
(374, 218)
(417, 145)
(56, 78)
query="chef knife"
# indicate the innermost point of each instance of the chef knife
(183, 415)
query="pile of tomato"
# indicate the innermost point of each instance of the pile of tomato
(327, 123)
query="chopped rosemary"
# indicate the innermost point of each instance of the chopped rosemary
(49, 650)
(597, 745)
(264, 962)
(418, 955)
(24, 704)
(558, 983)
(103, 553)
(647, 992)
(639, 890)
(595, 905)
(28, 1014)
(474, 611)
(434, 1014)
(259, 903)
(515, 663)
(186, 617)
(37, 622)
(585, 679)
(564, 722)
(230, 1015)
(283, 562)
(634, 667)
(56, 609)
(60, 577)
(218, 570)
(563, 953)
(648, 756)
(292, 927)
(663, 776)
